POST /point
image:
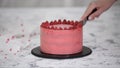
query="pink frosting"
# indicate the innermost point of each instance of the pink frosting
(61, 41)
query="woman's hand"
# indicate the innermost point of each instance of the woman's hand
(100, 5)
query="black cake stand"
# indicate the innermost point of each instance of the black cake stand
(85, 52)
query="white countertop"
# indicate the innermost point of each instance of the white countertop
(16, 25)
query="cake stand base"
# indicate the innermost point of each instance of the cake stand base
(85, 52)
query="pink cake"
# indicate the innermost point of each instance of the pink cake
(61, 37)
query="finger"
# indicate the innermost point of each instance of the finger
(89, 10)
(96, 14)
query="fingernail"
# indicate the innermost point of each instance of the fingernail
(90, 18)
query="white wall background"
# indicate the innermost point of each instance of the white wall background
(45, 3)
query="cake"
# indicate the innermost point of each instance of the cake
(61, 37)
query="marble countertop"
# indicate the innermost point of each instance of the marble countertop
(19, 34)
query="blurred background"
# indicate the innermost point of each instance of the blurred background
(20, 32)
(46, 3)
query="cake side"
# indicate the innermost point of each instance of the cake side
(63, 40)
